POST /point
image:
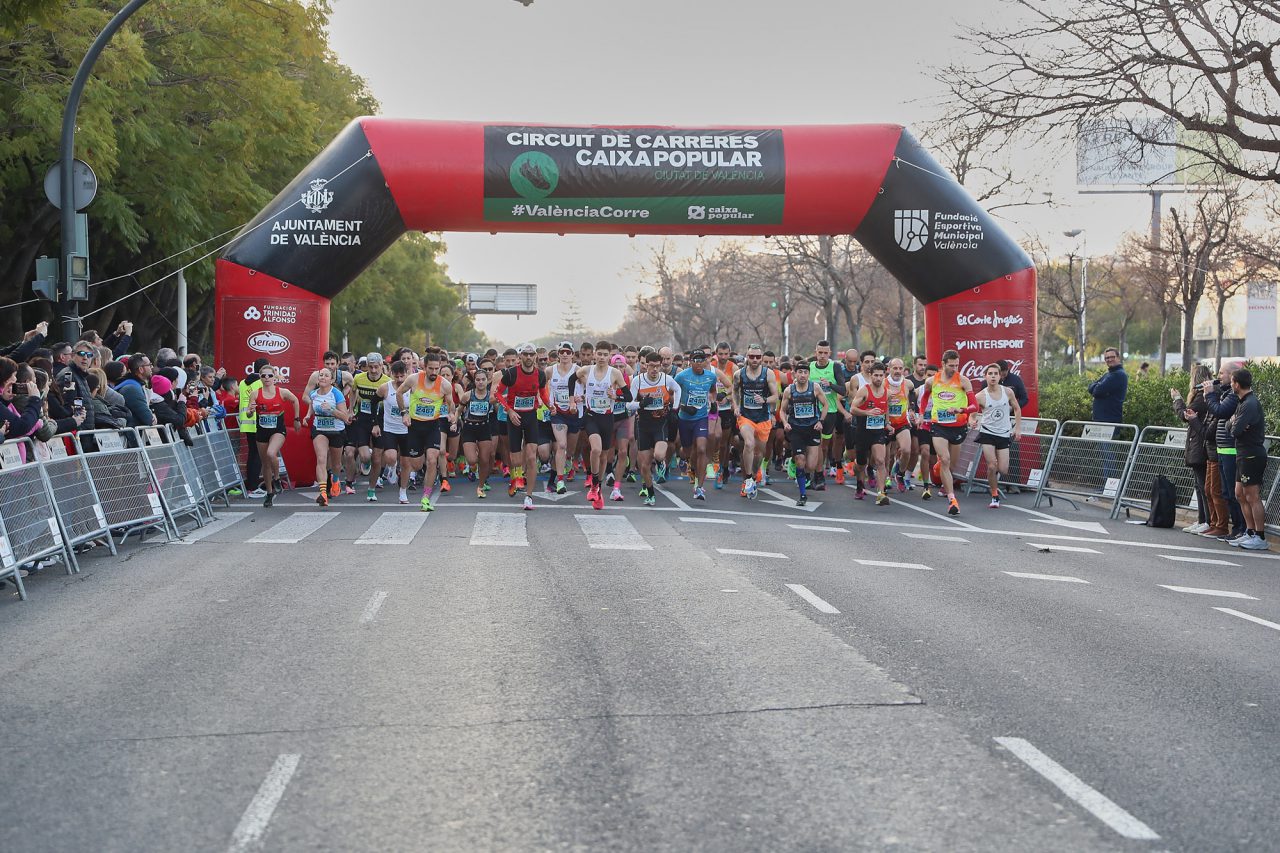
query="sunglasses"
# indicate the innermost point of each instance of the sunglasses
(85, 354)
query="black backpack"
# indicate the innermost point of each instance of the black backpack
(1164, 502)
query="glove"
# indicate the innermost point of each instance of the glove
(644, 400)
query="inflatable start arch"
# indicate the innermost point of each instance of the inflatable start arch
(381, 177)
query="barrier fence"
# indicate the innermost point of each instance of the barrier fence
(95, 485)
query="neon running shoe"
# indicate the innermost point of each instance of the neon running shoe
(872, 481)
(569, 474)
(528, 504)
(371, 496)
(512, 488)
(322, 499)
(560, 487)
(953, 507)
(630, 476)
(597, 503)
(650, 500)
(699, 494)
(926, 494)
(743, 490)
(335, 488)
(839, 475)
(882, 499)
(426, 504)
(444, 486)
(661, 474)
(791, 469)
(481, 493)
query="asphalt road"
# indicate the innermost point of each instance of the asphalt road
(369, 677)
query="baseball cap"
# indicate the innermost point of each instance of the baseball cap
(526, 348)
(373, 356)
(566, 345)
(618, 359)
(472, 357)
(698, 355)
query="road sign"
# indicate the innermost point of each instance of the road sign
(84, 184)
(502, 298)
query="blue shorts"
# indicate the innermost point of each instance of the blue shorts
(690, 430)
(571, 420)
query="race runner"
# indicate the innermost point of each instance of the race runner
(566, 414)
(950, 394)
(391, 434)
(698, 386)
(477, 436)
(328, 415)
(601, 383)
(996, 429)
(268, 403)
(430, 398)
(367, 404)
(655, 394)
(804, 410)
(870, 404)
(755, 392)
(521, 390)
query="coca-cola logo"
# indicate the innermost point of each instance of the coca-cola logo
(977, 370)
(995, 320)
(268, 342)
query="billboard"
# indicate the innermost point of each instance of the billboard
(1120, 151)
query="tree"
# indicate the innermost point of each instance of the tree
(1193, 244)
(1209, 68)
(571, 326)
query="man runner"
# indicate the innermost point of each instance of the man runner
(655, 394)
(950, 395)
(368, 412)
(521, 389)
(601, 383)
(870, 404)
(755, 392)
(697, 397)
(803, 411)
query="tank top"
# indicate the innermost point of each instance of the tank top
(996, 418)
(659, 393)
(598, 392)
(949, 401)
(619, 404)
(805, 410)
(270, 409)
(825, 379)
(875, 423)
(367, 394)
(899, 398)
(426, 401)
(724, 400)
(560, 389)
(393, 413)
(754, 395)
(478, 409)
(323, 406)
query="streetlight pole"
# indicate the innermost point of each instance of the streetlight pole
(1084, 281)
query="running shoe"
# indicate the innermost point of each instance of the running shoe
(560, 487)
(661, 473)
(630, 476)
(644, 492)
(322, 499)
(471, 474)
(350, 488)
(257, 493)
(235, 493)
(451, 470)
(650, 500)
(719, 485)
(616, 494)
(819, 485)
(569, 474)
(528, 504)
(381, 483)
(1255, 543)
(266, 502)
(859, 493)
(426, 504)
(486, 488)
(839, 475)
(802, 500)
(926, 494)
(872, 482)
(995, 502)
(550, 487)
(335, 488)
(544, 468)
(519, 483)
(791, 469)
(608, 479)
(953, 507)
(371, 496)
(512, 489)
(444, 486)
(712, 471)
(743, 491)
(597, 502)
(699, 494)
(751, 489)
(882, 499)
(481, 493)
(404, 497)
(901, 483)
(366, 468)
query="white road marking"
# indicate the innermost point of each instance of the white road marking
(393, 528)
(1045, 518)
(500, 528)
(1253, 619)
(803, 591)
(819, 527)
(773, 555)
(1093, 801)
(294, 528)
(1200, 561)
(256, 817)
(938, 516)
(1070, 548)
(891, 565)
(669, 495)
(1221, 593)
(1035, 577)
(782, 500)
(936, 536)
(692, 520)
(612, 533)
(222, 522)
(375, 604)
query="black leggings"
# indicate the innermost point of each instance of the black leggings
(1202, 504)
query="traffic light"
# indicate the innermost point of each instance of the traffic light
(773, 304)
(46, 283)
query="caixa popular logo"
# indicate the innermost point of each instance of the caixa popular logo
(269, 343)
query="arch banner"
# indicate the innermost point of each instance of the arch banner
(382, 177)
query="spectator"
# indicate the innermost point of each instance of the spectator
(15, 422)
(52, 425)
(73, 380)
(191, 365)
(1014, 381)
(167, 409)
(228, 396)
(61, 355)
(134, 389)
(1221, 405)
(1194, 455)
(1198, 408)
(1144, 370)
(119, 340)
(1249, 428)
(98, 401)
(1110, 389)
(115, 371)
(29, 345)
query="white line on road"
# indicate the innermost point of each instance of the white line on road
(891, 565)
(1035, 577)
(375, 604)
(294, 528)
(612, 533)
(691, 520)
(935, 536)
(1200, 561)
(1072, 549)
(1221, 593)
(500, 528)
(1093, 801)
(1254, 619)
(939, 516)
(256, 817)
(773, 555)
(819, 527)
(803, 591)
(669, 495)
(222, 522)
(393, 528)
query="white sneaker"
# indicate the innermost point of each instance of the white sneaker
(1255, 543)
(1237, 541)
(616, 494)
(404, 496)
(257, 493)
(1198, 527)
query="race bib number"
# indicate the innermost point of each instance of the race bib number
(619, 407)
(366, 408)
(525, 404)
(269, 421)
(326, 424)
(946, 416)
(656, 403)
(478, 408)
(599, 402)
(698, 399)
(753, 400)
(897, 408)
(425, 409)
(875, 422)
(804, 410)
(562, 398)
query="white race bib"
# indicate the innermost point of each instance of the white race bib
(269, 421)
(327, 424)
(875, 422)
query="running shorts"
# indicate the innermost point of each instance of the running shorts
(999, 442)
(650, 431)
(569, 419)
(1251, 465)
(423, 436)
(761, 429)
(803, 438)
(691, 430)
(952, 435)
(829, 424)
(527, 433)
(601, 425)
(397, 441)
(361, 430)
(476, 433)
(623, 427)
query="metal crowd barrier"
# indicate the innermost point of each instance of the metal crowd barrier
(126, 485)
(173, 470)
(230, 450)
(1087, 460)
(1028, 453)
(1159, 451)
(30, 522)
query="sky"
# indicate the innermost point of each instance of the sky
(677, 62)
